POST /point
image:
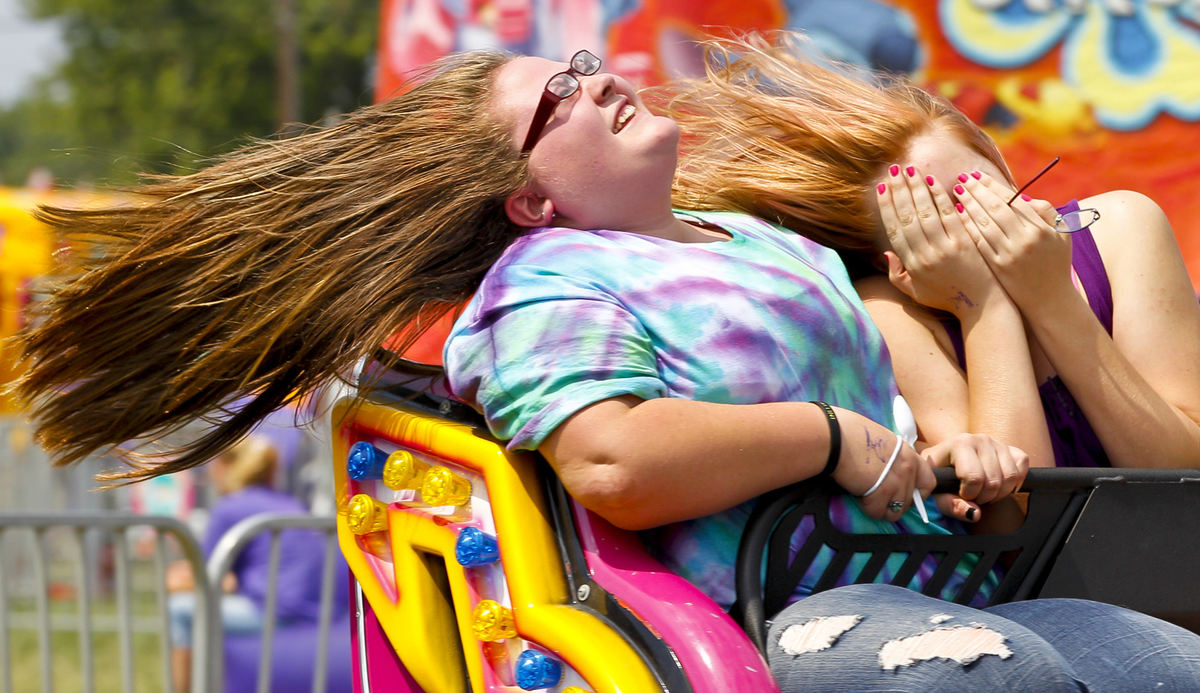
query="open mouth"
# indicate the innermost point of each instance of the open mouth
(623, 117)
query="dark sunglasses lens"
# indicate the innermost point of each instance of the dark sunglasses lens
(585, 63)
(562, 85)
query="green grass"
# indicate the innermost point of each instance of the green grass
(66, 665)
(67, 675)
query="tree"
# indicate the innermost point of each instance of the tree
(159, 85)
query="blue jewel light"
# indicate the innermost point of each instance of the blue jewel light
(537, 670)
(365, 461)
(475, 548)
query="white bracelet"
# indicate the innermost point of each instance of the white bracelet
(886, 468)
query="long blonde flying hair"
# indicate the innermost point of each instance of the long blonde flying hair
(270, 272)
(772, 133)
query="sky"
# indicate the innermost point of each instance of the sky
(27, 49)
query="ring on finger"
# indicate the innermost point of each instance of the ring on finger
(895, 506)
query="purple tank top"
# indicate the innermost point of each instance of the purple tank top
(1071, 435)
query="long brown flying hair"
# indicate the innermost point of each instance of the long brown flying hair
(773, 133)
(270, 272)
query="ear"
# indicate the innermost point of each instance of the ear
(528, 209)
(898, 275)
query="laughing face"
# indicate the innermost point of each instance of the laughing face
(602, 160)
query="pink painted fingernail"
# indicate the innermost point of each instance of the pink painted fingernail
(959, 207)
(1025, 197)
(894, 170)
(959, 189)
(881, 188)
(962, 178)
(929, 181)
(977, 175)
(910, 171)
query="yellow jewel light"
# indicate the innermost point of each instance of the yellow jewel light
(444, 487)
(492, 622)
(365, 515)
(403, 471)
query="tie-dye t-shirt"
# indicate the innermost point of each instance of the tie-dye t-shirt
(567, 318)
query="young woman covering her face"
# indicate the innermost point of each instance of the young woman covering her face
(1082, 349)
(662, 362)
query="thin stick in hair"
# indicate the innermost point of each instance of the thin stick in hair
(1033, 180)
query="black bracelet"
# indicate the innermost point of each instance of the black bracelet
(835, 438)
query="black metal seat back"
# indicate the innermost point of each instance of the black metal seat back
(1021, 558)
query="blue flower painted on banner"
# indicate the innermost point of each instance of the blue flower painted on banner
(1129, 59)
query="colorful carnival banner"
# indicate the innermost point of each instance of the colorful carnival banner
(1111, 86)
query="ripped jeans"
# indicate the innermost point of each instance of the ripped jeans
(885, 638)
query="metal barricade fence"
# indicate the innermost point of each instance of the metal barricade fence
(61, 555)
(221, 561)
(30, 483)
(59, 543)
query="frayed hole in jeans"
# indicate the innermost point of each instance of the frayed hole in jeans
(962, 644)
(817, 634)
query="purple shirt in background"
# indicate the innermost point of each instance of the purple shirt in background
(301, 552)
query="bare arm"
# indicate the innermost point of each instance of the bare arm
(644, 463)
(935, 263)
(1140, 388)
(926, 369)
(937, 389)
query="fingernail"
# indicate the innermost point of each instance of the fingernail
(1026, 197)
(958, 206)
(910, 171)
(962, 178)
(881, 188)
(894, 170)
(977, 175)
(929, 181)
(958, 189)
(971, 514)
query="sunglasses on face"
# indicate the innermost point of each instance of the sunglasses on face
(1068, 222)
(559, 87)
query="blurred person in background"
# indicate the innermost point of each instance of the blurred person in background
(243, 477)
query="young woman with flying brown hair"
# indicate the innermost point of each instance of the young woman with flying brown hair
(284, 264)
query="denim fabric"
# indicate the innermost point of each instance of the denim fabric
(239, 615)
(1039, 646)
(1111, 648)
